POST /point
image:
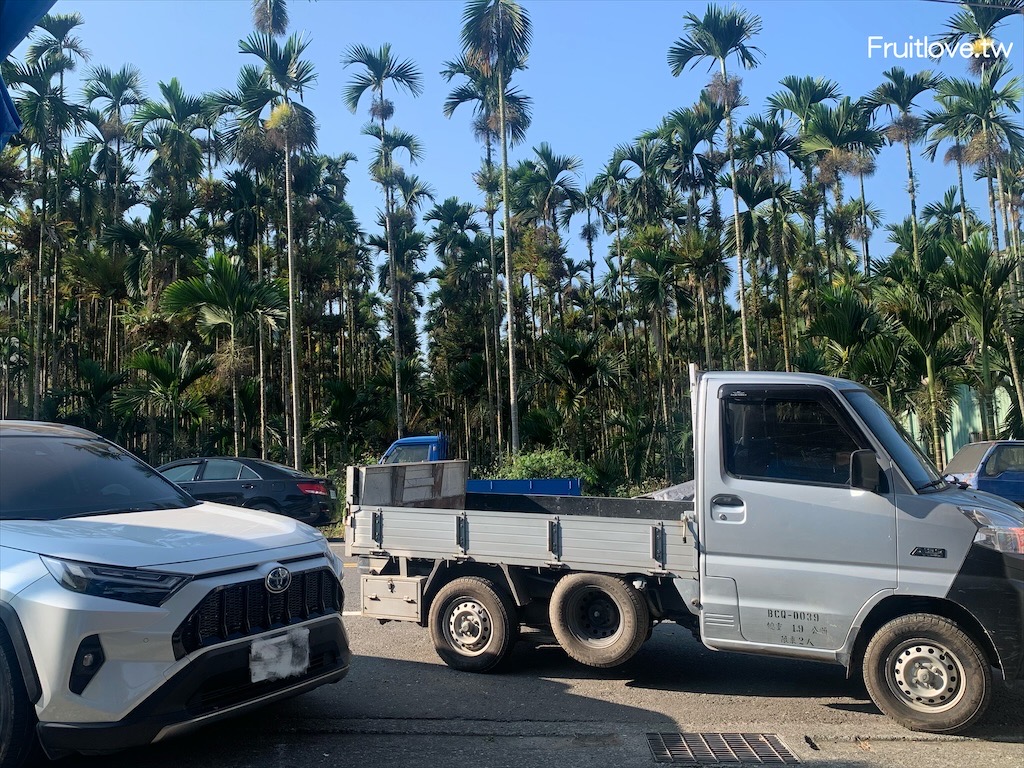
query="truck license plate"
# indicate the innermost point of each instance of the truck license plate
(275, 658)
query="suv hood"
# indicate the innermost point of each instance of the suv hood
(159, 537)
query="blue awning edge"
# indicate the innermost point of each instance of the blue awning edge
(17, 17)
(10, 123)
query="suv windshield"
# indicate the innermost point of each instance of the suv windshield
(47, 478)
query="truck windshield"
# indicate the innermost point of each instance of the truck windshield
(908, 457)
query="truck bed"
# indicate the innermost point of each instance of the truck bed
(583, 533)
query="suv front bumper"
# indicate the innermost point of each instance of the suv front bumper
(213, 686)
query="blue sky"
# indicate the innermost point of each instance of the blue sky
(597, 73)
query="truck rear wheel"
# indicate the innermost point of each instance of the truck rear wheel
(927, 674)
(473, 624)
(599, 620)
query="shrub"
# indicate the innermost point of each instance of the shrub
(548, 463)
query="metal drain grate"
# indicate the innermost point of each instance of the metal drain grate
(720, 748)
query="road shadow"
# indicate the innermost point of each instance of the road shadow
(408, 710)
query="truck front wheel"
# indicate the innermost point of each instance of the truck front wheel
(599, 620)
(473, 624)
(927, 674)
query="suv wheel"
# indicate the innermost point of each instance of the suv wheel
(18, 741)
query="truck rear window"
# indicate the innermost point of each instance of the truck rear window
(967, 459)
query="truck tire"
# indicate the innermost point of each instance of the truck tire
(18, 743)
(473, 624)
(927, 674)
(599, 620)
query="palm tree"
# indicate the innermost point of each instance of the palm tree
(977, 21)
(496, 39)
(919, 297)
(608, 188)
(45, 114)
(978, 114)
(227, 296)
(976, 280)
(116, 92)
(284, 73)
(270, 16)
(719, 35)
(798, 97)
(155, 251)
(168, 389)
(379, 68)
(837, 136)
(166, 129)
(481, 90)
(897, 97)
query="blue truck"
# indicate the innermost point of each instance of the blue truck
(435, 448)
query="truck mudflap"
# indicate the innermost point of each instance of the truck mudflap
(990, 586)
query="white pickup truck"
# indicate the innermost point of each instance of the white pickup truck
(817, 531)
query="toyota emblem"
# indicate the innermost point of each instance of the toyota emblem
(277, 580)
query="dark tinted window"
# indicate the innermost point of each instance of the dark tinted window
(221, 469)
(786, 439)
(51, 477)
(248, 474)
(182, 474)
(288, 471)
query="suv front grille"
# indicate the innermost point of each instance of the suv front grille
(239, 610)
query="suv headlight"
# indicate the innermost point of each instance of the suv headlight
(129, 584)
(996, 530)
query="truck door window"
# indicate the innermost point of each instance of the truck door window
(786, 438)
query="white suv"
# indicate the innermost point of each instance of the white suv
(130, 612)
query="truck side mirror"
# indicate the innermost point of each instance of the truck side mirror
(864, 470)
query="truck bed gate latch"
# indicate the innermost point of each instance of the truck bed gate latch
(658, 544)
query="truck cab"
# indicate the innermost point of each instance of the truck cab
(419, 448)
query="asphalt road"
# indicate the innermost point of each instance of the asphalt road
(401, 707)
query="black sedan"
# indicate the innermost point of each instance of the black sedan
(256, 484)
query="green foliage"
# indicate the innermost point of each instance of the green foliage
(553, 462)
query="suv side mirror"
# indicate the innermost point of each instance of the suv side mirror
(864, 470)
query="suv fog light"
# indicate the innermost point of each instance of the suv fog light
(88, 661)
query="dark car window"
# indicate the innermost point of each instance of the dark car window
(283, 469)
(52, 477)
(248, 474)
(967, 459)
(181, 474)
(1005, 458)
(221, 469)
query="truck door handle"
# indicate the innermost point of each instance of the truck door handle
(727, 501)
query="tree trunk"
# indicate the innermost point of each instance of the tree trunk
(736, 227)
(963, 200)
(912, 190)
(293, 333)
(513, 396)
